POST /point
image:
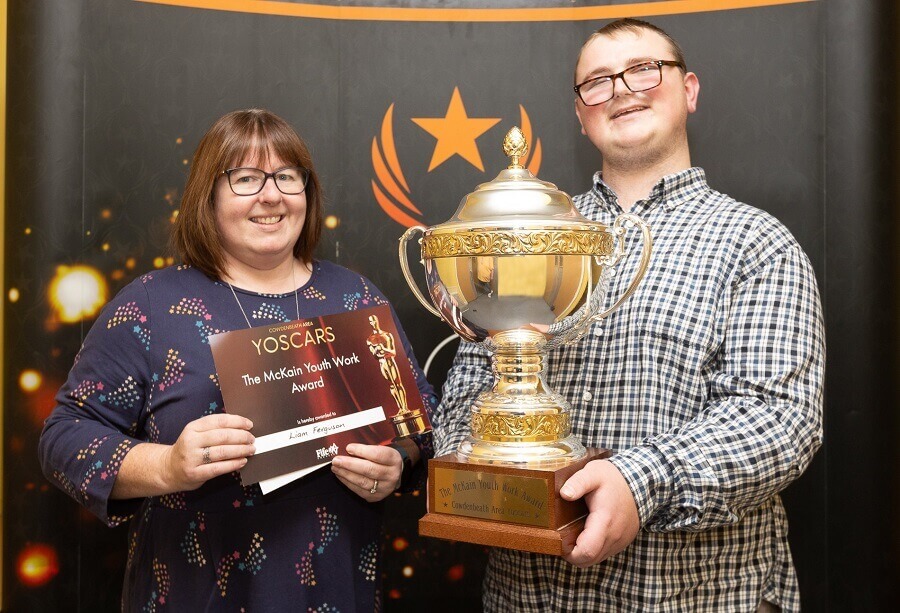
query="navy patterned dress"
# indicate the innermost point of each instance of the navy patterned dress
(144, 372)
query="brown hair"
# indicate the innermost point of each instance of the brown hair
(239, 135)
(634, 26)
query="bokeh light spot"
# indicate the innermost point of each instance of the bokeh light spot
(105, 214)
(105, 247)
(129, 263)
(30, 380)
(14, 294)
(159, 262)
(394, 594)
(400, 543)
(171, 195)
(27, 231)
(37, 564)
(77, 293)
(408, 571)
(178, 141)
(332, 222)
(456, 572)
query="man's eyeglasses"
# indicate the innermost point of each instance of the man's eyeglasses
(638, 78)
(290, 180)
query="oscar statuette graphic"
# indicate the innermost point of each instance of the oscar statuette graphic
(381, 345)
(519, 271)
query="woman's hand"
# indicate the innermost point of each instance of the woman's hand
(207, 447)
(370, 471)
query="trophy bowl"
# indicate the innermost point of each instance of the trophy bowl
(520, 271)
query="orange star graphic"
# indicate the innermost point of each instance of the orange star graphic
(456, 133)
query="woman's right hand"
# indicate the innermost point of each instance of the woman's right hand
(208, 447)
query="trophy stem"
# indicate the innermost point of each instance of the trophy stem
(520, 421)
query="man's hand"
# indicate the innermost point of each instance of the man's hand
(612, 521)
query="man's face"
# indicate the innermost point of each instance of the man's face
(636, 127)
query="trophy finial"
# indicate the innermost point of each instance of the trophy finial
(515, 146)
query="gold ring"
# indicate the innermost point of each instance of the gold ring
(374, 487)
(206, 458)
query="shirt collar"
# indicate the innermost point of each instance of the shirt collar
(671, 191)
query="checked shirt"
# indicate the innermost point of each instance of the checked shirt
(707, 383)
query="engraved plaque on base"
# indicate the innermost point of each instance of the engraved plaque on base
(503, 506)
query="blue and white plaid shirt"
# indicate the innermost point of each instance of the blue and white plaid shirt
(707, 383)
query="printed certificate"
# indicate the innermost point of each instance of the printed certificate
(312, 386)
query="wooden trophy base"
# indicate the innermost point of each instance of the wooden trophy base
(504, 506)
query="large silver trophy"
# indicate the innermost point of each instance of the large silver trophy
(519, 270)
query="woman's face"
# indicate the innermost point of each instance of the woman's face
(258, 231)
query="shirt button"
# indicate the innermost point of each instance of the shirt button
(587, 396)
(598, 330)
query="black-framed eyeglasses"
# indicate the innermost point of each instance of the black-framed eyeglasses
(290, 180)
(637, 78)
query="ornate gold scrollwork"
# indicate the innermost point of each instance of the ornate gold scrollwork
(522, 242)
(520, 428)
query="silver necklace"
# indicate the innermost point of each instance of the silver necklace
(296, 299)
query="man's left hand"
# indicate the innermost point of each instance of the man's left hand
(612, 521)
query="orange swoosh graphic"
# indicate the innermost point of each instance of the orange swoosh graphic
(390, 151)
(391, 209)
(534, 163)
(393, 189)
(373, 13)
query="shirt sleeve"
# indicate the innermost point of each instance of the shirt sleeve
(469, 375)
(98, 410)
(762, 421)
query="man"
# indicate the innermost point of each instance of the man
(707, 383)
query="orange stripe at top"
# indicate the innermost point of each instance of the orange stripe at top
(377, 13)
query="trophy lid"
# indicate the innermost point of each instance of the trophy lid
(515, 197)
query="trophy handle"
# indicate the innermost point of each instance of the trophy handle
(404, 264)
(619, 230)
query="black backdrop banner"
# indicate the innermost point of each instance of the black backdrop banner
(404, 108)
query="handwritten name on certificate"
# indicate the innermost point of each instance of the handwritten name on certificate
(312, 386)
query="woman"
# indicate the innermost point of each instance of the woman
(139, 431)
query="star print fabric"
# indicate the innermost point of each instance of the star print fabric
(145, 371)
